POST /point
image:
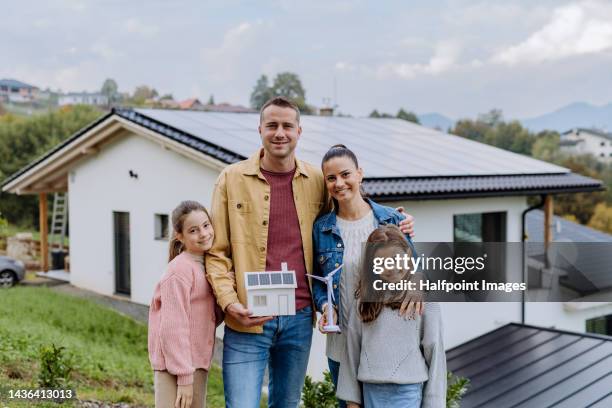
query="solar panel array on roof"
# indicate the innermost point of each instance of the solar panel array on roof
(269, 278)
(532, 367)
(385, 147)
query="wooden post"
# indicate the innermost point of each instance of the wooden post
(548, 218)
(44, 231)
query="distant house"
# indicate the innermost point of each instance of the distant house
(191, 104)
(168, 103)
(228, 108)
(125, 173)
(271, 293)
(12, 90)
(533, 367)
(588, 141)
(83, 98)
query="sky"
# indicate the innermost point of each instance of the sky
(455, 57)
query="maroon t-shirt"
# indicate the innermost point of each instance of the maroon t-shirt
(284, 236)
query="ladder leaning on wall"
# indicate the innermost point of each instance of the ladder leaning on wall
(59, 220)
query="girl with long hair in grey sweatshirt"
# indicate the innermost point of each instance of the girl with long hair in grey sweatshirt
(391, 361)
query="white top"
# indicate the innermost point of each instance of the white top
(354, 235)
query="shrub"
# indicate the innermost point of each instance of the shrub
(55, 367)
(455, 389)
(319, 394)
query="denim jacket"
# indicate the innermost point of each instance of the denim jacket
(329, 249)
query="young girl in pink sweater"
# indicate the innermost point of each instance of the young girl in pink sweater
(184, 314)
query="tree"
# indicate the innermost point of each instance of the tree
(602, 218)
(409, 116)
(470, 129)
(211, 100)
(288, 84)
(491, 118)
(261, 93)
(22, 139)
(111, 90)
(374, 114)
(581, 205)
(142, 93)
(546, 146)
(167, 97)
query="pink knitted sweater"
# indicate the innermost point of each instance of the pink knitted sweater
(182, 319)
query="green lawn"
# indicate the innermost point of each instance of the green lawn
(109, 350)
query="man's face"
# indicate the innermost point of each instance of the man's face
(279, 131)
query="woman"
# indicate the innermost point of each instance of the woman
(337, 239)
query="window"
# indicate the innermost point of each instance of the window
(161, 226)
(600, 325)
(260, 300)
(481, 227)
(601, 154)
(603, 144)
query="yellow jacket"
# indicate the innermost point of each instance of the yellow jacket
(240, 212)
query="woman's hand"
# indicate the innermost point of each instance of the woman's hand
(184, 396)
(323, 319)
(352, 405)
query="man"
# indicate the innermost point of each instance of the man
(263, 210)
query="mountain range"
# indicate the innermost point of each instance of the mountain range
(578, 114)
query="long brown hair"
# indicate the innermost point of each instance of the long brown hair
(371, 301)
(178, 218)
(338, 150)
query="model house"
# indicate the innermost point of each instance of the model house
(271, 293)
(125, 173)
(587, 141)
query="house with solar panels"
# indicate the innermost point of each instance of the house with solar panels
(271, 293)
(124, 173)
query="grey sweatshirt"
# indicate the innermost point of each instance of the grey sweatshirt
(388, 350)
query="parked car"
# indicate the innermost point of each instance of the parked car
(11, 271)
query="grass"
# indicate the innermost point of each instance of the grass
(108, 350)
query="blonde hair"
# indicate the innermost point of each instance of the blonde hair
(178, 218)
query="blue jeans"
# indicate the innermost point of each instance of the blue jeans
(334, 370)
(392, 395)
(284, 346)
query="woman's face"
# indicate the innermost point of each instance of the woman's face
(197, 235)
(342, 179)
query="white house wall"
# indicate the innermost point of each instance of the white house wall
(102, 184)
(434, 223)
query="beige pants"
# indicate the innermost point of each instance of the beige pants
(165, 389)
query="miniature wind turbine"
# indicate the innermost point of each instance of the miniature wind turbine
(330, 327)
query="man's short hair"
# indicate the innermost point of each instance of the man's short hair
(283, 103)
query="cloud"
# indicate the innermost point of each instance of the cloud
(135, 26)
(104, 51)
(575, 29)
(443, 59)
(222, 62)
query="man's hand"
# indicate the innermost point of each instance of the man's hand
(243, 315)
(407, 224)
(352, 405)
(184, 396)
(323, 318)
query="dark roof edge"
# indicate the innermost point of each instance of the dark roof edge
(218, 152)
(56, 148)
(489, 193)
(462, 176)
(561, 331)
(529, 326)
